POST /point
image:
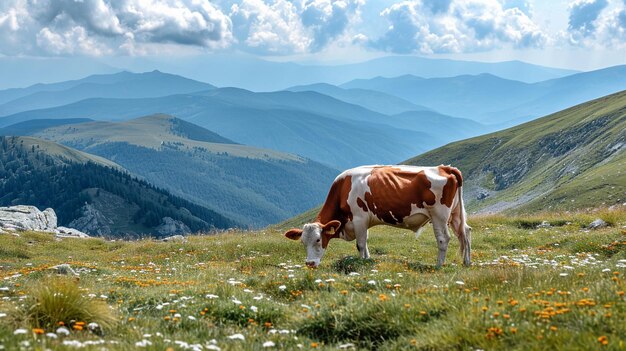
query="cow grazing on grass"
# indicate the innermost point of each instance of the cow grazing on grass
(401, 196)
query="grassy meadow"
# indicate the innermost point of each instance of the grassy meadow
(531, 286)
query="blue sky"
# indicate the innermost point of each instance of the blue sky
(580, 34)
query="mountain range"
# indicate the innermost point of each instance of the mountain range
(316, 126)
(252, 73)
(118, 85)
(493, 100)
(249, 159)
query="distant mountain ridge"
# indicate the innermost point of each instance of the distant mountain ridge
(491, 99)
(262, 75)
(370, 99)
(575, 158)
(246, 71)
(119, 85)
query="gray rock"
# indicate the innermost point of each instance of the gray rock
(175, 238)
(482, 195)
(51, 218)
(27, 218)
(22, 217)
(64, 232)
(544, 224)
(64, 269)
(92, 221)
(170, 226)
(598, 223)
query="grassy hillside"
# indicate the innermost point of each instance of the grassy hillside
(91, 193)
(575, 158)
(33, 126)
(557, 288)
(251, 185)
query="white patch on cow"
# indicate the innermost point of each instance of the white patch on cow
(312, 240)
(437, 182)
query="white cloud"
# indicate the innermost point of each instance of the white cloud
(428, 26)
(97, 27)
(594, 24)
(269, 28)
(285, 27)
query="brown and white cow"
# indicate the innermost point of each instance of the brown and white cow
(401, 196)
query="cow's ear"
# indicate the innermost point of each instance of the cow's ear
(331, 227)
(294, 234)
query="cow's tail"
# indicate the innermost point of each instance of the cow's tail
(462, 230)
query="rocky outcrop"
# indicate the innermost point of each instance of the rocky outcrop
(175, 239)
(21, 217)
(27, 218)
(170, 226)
(597, 224)
(65, 232)
(92, 221)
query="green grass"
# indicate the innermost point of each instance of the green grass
(529, 288)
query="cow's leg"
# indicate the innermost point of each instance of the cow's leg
(440, 227)
(361, 232)
(463, 233)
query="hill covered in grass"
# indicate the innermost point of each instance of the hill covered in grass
(558, 288)
(575, 158)
(91, 193)
(253, 186)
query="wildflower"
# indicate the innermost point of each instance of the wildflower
(63, 331)
(20, 331)
(344, 292)
(269, 344)
(143, 343)
(282, 287)
(314, 345)
(237, 337)
(553, 328)
(603, 340)
(38, 331)
(383, 297)
(513, 330)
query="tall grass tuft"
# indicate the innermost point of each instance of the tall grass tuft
(59, 301)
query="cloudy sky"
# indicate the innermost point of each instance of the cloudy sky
(581, 34)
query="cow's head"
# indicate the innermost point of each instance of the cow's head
(315, 237)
